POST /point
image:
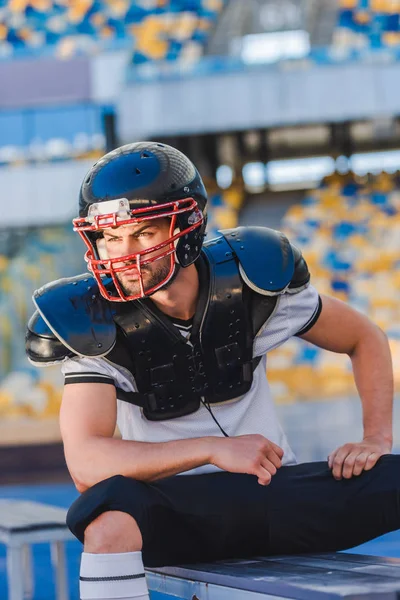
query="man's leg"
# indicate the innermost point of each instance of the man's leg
(111, 565)
(182, 519)
(309, 511)
(202, 518)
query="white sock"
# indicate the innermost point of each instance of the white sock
(111, 576)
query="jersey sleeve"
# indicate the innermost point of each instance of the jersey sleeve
(88, 370)
(294, 315)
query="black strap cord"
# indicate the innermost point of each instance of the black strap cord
(208, 407)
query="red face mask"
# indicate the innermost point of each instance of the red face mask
(114, 213)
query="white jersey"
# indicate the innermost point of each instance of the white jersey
(252, 413)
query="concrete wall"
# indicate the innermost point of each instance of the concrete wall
(258, 97)
(41, 194)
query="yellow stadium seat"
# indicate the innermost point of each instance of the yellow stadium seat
(204, 24)
(3, 31)
(25, 34)
(383, 182)
(391, 38)
(234, 196)
(183, 27)
(98, 19)
(348, 4)
(107, 32)
(78, 9)
(42, 5)
(118, 8)
(18, 6)
(151, 37)
(362, 17)
(225, 218)
(215, 5)
(4, 262)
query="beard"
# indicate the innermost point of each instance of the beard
(152, 276)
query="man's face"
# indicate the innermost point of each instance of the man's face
(129, 239)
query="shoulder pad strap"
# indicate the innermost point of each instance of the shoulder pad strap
(301, 277)
(41, 344)
(218, 250)
(77, 315)
(266, 259)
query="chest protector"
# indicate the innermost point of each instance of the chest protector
(173, 374)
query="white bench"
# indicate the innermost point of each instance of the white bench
(25, 523)
(305, 577)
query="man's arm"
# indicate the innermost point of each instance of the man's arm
(88, 420)
(342, 329)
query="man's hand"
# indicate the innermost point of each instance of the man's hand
(252, 454)
(351, 459)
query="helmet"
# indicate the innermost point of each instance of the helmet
(134, 183)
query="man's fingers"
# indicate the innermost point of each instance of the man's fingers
(347, 463)
(371, 461)
(354, 463)
(338, 460)
(274, 458)
(360, 463)
(264, 476)
(265, 471)
(277, 449)
(269, 466)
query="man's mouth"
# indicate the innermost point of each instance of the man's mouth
(131, 273)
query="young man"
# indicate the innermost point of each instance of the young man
(168, 338)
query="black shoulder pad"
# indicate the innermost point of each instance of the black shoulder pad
(266, 258)
(301, 276)
(41, 344)
(77, 315)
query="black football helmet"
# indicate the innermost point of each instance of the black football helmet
(134, 183)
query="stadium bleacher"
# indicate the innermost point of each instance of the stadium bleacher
(43, 254)
(348, 232)
(368, 23)
(154, 29)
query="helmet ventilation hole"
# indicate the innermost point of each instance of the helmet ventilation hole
(145, 155)
(138, 171)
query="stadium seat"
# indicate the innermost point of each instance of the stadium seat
(339, 228)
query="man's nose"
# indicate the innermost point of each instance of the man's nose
(129, 246)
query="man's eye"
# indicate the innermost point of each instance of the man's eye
(115, 239)
(144, 234)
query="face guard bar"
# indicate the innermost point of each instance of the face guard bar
(115, 213)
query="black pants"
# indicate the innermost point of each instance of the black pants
(201, 518)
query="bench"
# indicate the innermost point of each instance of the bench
(23, 524)
(304, 577)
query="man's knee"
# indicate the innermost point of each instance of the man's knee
(113, 532)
